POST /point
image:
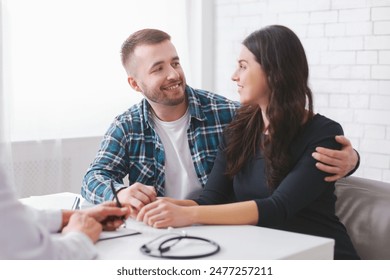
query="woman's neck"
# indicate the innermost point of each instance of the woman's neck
(265, 120)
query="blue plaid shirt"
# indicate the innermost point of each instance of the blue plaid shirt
(132, 147)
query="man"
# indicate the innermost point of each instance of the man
(167, 144)
(26, 233)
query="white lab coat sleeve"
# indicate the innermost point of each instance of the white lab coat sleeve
(26, 233)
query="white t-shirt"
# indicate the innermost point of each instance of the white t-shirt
(181, 181)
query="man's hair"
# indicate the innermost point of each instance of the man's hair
(141, 37)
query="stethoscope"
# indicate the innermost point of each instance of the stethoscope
(163, 248)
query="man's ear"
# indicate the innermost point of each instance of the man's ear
(133, 83)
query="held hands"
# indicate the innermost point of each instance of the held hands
(164, 213)
(339, 163)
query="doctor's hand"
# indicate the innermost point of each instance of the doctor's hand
(338, 163)
(108, 214)
(137, 196)
(81, 222)
(162, 213)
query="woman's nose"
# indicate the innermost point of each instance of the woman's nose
(234, 76)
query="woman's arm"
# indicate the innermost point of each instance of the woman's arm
(162, 214)
(304, 184)
(179, 202)
(238, 213)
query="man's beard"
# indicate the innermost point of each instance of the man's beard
(161, 97)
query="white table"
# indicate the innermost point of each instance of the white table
(236, 242)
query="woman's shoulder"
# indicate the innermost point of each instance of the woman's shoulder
(323, 125)
(318, 131)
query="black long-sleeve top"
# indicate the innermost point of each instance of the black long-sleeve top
(303, 202)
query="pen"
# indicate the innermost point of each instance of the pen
(118, 203)
(76, 203)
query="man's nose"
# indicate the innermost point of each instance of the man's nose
(173, 74)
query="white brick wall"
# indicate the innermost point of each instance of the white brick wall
(348, 47)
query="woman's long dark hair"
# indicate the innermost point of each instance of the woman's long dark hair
(282, 57)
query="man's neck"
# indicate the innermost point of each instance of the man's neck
(169, 113)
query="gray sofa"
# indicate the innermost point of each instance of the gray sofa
(363, 205)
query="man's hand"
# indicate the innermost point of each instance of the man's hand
(81, 222)
(108, 214)
(137, 196)
(339, 163)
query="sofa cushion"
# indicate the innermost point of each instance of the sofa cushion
(363, 206)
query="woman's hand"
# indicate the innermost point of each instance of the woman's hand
(164, 213)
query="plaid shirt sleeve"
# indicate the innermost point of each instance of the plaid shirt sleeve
(110, 164)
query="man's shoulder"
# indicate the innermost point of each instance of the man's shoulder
(131, 120)
(134, 113)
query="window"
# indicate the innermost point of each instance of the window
(62, 66)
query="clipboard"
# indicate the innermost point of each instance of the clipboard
(120, 232)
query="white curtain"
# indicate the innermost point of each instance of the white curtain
(5, 144)
(62, 79)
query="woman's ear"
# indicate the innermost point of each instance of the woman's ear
(271, 79)
(133, 83)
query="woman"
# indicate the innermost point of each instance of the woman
(265, 163)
